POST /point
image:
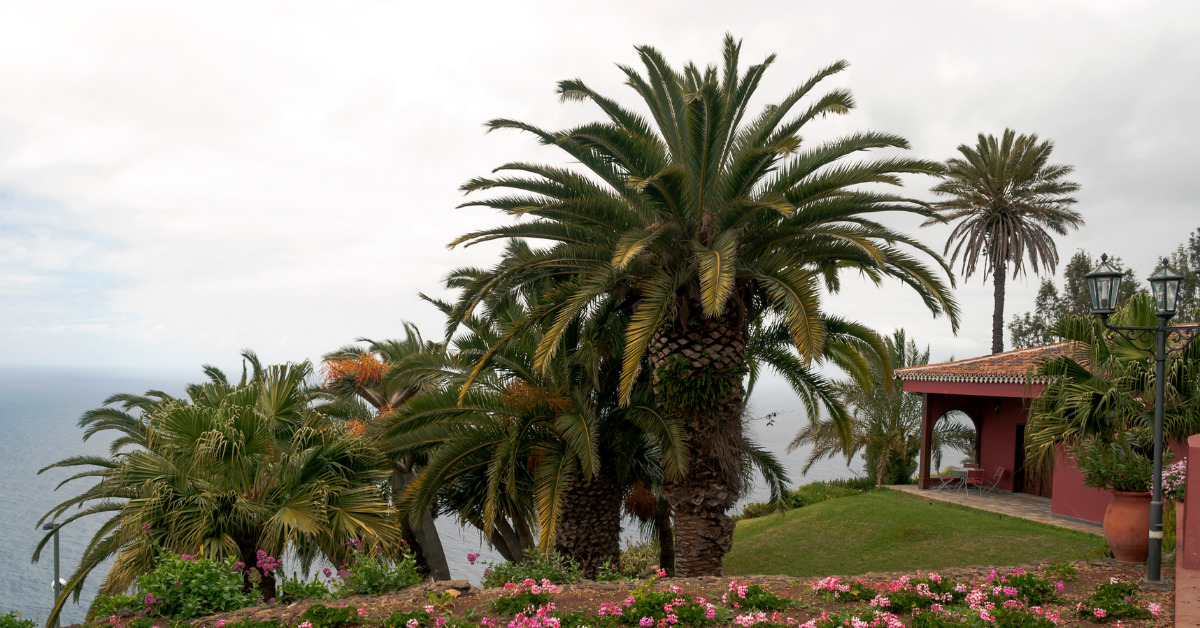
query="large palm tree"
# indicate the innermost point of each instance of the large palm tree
(1007, 200)
(701, 222)
(229, 471)
(885, 423)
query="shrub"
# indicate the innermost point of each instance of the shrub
(400, 619)
(555, 568)
(518, 597)
(1024, 586)
(754, 598)
(1120, 463)
(321, 616)
(109, 605)
(817, 492)
(905, 594)
(1115, 600)
(665, 606)
(833, 588)
(609, 573)
(1062, 571)
(184, 586)
(637, 558)
(11, 620)
(370, 571)
(294, 589)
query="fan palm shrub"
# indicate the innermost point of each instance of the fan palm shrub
(700, 221)
(1007, 200)
(1105, 385)
(229, 471)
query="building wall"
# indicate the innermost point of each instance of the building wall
(998, 446)
(1073, 498)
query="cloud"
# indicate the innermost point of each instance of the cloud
(185, 180)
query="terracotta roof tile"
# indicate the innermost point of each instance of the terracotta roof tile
(1008, 367)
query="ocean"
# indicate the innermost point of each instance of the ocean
(39, 411)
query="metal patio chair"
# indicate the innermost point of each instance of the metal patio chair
(974, 480)
(992, 486)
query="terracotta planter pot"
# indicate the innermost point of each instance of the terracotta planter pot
(1127, 526)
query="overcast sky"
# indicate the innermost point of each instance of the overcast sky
(182, 180)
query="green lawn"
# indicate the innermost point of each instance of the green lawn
(890, 531)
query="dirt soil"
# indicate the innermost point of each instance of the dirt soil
(586, 596)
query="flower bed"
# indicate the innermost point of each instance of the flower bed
(1039, 597)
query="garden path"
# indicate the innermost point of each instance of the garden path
(1020, 505)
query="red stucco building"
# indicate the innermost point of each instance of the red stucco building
(994, 392)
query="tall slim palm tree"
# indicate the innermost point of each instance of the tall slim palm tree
(1007, 200)
(229, 471)
(700, 222)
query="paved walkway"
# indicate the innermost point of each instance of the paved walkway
(1019, 505)
(1187, 597)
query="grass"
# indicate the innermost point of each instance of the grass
(891, 531)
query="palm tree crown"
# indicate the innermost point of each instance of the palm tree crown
(1007, 200)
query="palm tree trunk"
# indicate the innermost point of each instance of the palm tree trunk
(698, 364)
(425, 543)
(998, 278)
(589, 528)
(524, 533)
(666, 538)
(513, 544)
(266, 583)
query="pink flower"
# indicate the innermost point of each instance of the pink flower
(471, 558)
(1154, 609)
(220, 623)
(362, 611)
(306, 624)
(1100, 613)
(413, 623)
(646, 622)
(662, 573)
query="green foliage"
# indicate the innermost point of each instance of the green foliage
(759, 599)
(636, 558)
(186, 586)
(692, 390)
(811, 493)
(511, 605)
(1031, 589)
(555, 567)
(1121, 462)
(292, 589)
(650, 604)
(10, 620)
(1064, 572)
(608, 573)
(109, 605)
(400, 619)
(371, 571)
(584, 620)
(323, 616)
(253, 624)
(1111, 601)
(909, 597)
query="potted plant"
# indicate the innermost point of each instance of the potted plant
(1173, 484)
(1122, 464)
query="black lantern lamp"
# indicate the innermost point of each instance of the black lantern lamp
(1164, 285)
(1104, 284)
